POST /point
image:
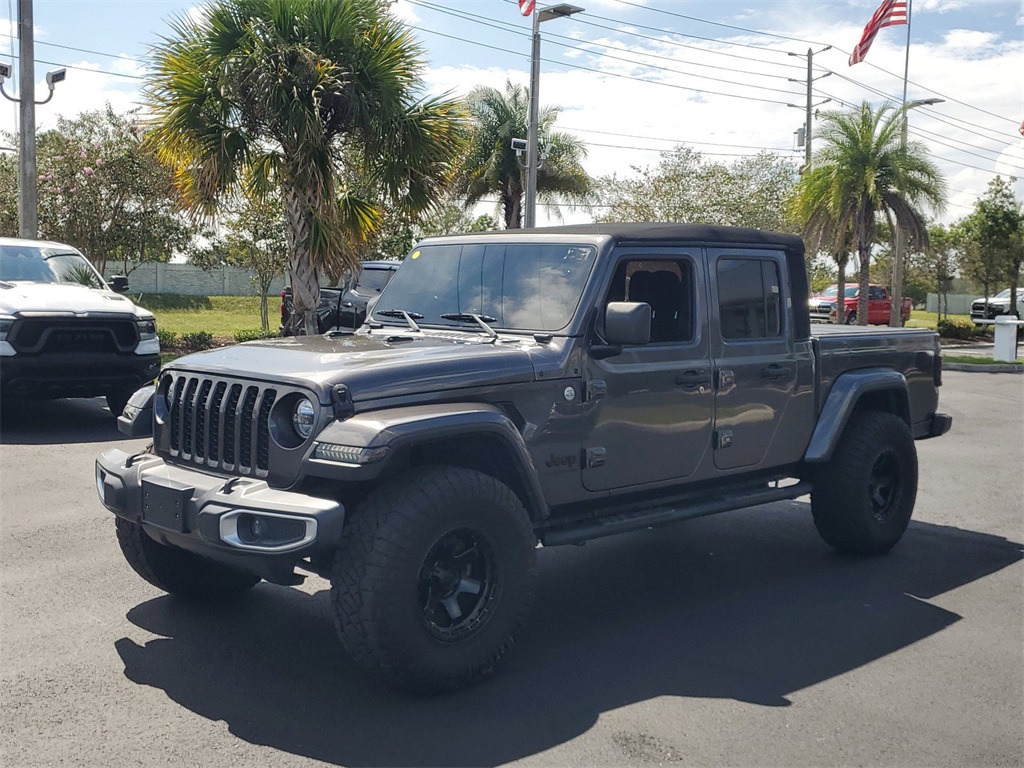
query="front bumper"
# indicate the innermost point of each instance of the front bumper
(240, 522)
(78, 374)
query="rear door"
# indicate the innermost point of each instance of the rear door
(755, 364)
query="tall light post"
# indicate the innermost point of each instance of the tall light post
(539, 15)
(28, 184)
(896, 310)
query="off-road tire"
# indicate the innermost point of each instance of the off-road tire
(177, 572)
(378, 583)
(862, 499)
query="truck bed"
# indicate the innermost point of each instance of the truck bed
(914, 352)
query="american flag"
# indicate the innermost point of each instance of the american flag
(526, 6)
(890, 13)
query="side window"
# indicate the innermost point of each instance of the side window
(668, 286)
(749, 298)
(875, 293)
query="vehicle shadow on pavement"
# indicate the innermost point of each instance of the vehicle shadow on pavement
(749, 606)
(51, 422)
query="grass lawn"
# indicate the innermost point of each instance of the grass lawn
(972, 360)
(921, 319)
(221, 316)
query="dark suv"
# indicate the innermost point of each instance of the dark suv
(345, 304)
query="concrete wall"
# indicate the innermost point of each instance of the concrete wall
(193, 281)
(959, 304)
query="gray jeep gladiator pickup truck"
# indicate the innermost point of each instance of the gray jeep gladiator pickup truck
(513, 388)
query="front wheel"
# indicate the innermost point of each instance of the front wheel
(176, 571)
(851, 318)
(434, 577)
(863, 497)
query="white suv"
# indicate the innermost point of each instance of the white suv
(65, 333)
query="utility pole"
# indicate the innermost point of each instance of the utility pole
(28, 184)
(28, 190)
(810, 103)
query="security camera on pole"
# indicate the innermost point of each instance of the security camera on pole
(28, 191)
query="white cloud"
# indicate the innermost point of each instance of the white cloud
(405, 11)
(968, 40)
(941, 6)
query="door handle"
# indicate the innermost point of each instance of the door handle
(775, 370)
(346, 304)
(692, 378)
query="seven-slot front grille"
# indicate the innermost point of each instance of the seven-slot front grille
(220, 423)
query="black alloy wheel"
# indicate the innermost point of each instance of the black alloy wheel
(458, 584)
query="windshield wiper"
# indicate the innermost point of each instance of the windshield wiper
(472, 317)
(409, 317)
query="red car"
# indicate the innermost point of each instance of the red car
(823, 306)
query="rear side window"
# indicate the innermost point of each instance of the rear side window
(749, 298)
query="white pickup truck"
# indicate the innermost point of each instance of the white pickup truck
(65, 333)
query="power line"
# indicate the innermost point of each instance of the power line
(605, 72)
(473, 18)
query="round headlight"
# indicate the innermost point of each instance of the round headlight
(303, 417)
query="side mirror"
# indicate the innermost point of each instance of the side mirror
(627, 322)
(119, 283)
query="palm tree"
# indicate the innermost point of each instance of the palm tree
(492, 168)
(256, 95)
(865, 169)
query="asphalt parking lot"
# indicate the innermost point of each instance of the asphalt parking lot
(733, 640)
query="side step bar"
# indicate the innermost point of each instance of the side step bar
(593, 528)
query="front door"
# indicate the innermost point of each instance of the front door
(651, 404)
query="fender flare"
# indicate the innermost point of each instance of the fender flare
(392, 429)
(842, 399)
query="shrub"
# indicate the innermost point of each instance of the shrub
(955, 329)
(194, 342)
(168, 339)
(253, 334)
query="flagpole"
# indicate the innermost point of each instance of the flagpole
(896, 309)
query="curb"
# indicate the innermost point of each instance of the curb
(980, 368)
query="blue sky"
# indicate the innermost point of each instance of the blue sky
(634, 77)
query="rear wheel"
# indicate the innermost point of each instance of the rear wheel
(862, 499)
(176, 571)
(434, 578)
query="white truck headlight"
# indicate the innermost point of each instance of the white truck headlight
(149, 343)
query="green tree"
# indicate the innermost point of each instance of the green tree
(863, 172)
(255, 95)
(994, 238)
(103, 192)
(684, 186)
(8, 189)
(491, 166)
(943, 262)
(253, 237)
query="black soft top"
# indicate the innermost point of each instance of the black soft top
(651, 232)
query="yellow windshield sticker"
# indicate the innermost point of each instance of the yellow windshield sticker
(415, 255)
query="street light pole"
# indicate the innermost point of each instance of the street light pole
(28, 185)
(896, 299)
(28, 190)
(532, 159)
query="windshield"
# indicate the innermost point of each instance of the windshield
(523, 286)
(39, 264)
(373, 280)
(850, 291)
(1004, 294)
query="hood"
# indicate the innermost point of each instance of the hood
(373, 365)
(64, 297)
